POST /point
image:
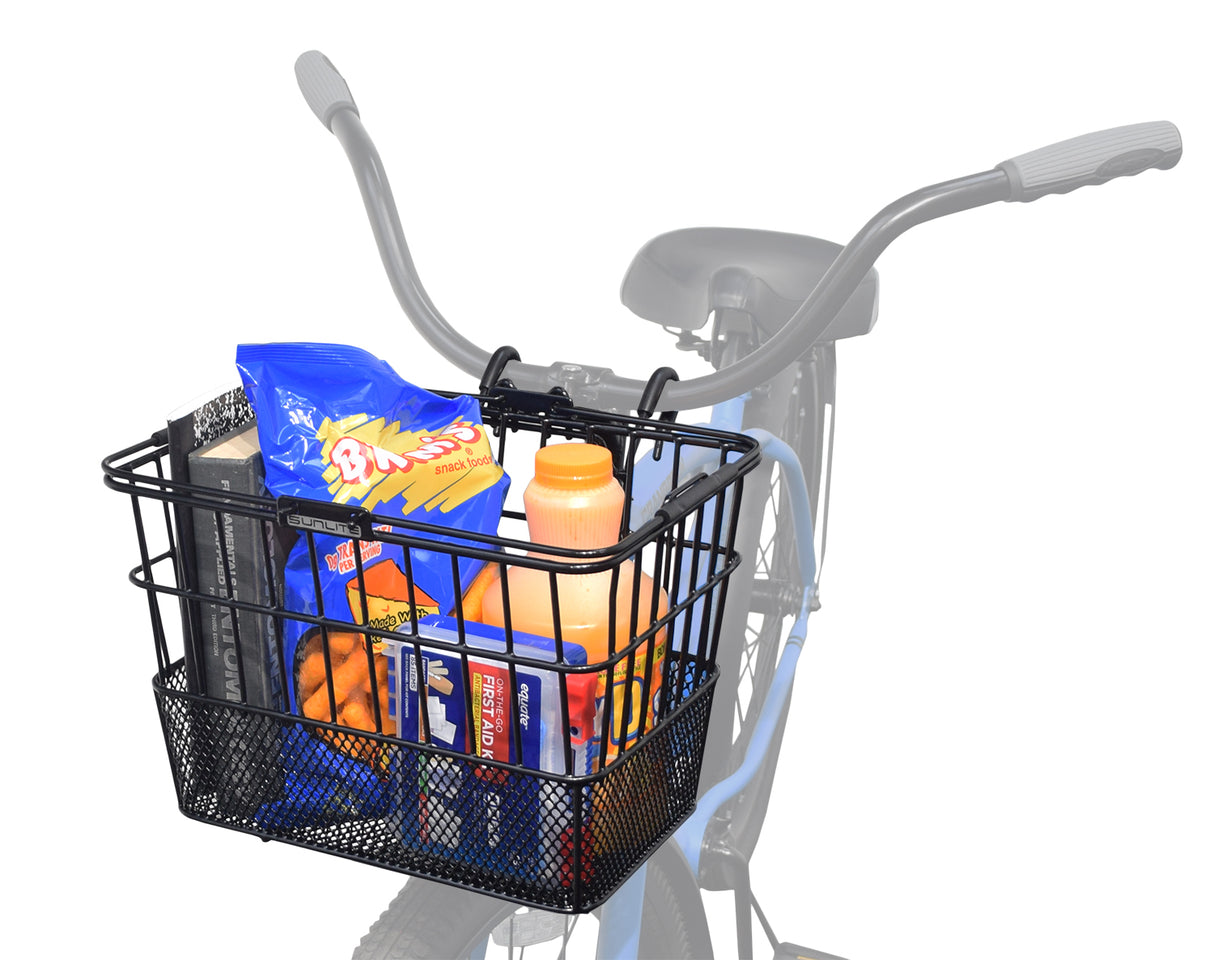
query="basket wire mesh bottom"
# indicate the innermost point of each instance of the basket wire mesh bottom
(507, 832)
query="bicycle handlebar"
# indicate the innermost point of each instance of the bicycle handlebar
(325, 90)
(1091, 159)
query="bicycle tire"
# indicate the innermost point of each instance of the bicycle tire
(428, 920)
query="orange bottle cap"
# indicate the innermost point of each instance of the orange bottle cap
(573, 466)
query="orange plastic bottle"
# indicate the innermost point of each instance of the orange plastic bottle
(574, 501)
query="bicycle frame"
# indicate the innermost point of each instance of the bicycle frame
(1092, 159)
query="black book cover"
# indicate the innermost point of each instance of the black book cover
(236, 754)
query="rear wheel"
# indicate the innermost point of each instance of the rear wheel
(770, 589)
(766, 591)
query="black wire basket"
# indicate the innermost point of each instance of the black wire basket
(407, 787)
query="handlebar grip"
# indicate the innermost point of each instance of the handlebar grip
(1094, 158)
(322, 86)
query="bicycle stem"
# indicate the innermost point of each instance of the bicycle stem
(1093, 158)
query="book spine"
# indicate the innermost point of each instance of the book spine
(181, 442)
(187, 432)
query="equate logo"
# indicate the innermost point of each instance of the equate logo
(372, 462)
(358, 460)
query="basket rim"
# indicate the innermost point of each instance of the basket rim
(120, 474)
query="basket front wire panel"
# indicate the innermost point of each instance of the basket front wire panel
(226, 763)
(559, 835)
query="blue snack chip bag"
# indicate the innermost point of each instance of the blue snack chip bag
(338, 425)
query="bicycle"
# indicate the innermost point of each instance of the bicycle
(777, 303)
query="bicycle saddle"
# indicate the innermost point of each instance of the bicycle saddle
(677, 279)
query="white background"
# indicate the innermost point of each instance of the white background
(1001, 740)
